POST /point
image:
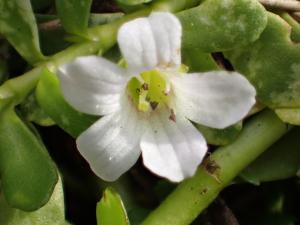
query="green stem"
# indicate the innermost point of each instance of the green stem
(15, 89)
(108, 32)
(192, 196)
(295, 32)
(174, 6)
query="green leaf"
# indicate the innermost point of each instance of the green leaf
(50, 214)
(95, 19)
(289, 115)
(280, 161)
(220, 136)
(295, 34)
(198, 61)
(18, 25)
(133, 2)
(50, 99)
(110, 210)
(272, 65)
(53, 39)
(103, 18)
(28, 175)
(218, 25)
(32, 112)
(74, 15)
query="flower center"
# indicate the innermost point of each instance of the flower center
(149, 90)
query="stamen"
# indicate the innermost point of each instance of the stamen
(145, 86)
(149, 90)
(153, 105)
(167, 89)
(172, 116)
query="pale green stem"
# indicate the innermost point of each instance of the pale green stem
(174, 6)
(192, 196)
(14, 90)
(294, 24)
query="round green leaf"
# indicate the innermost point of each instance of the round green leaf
(32, 112)
(220, 136)
(110, 210)
(280, 161)
(28, 174)
(50, 214)
(74, 15)
(272, 65)
(197, 60)
(18, 25)
(218, 25)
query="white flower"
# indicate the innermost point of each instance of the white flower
(147, 107)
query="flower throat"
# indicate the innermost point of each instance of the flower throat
(149, 90)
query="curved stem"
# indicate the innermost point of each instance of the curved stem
(192, 196)
(15, 89)
(174, 6)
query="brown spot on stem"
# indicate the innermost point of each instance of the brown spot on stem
(204, 191)
(211, 167)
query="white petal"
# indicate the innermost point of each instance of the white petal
(92, 85)
(151, 42)
(111, 145)
(216, 99)
(137, 45)
(172, 149)
(167, 31)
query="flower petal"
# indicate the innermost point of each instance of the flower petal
(172, 149)
(167, 31)
(216, 99)
(137, 45)
(151, 42)
(111, 144)
(92, 85)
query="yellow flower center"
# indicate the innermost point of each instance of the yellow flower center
(149, 90)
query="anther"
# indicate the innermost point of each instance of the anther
(153, 105)
(172, 116)
(145, 86)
